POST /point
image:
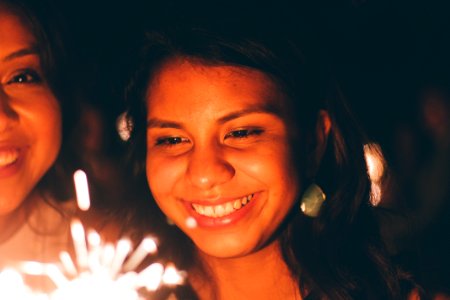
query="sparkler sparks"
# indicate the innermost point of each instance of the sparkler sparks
(100, 270)
(82, 190)
(191, 222)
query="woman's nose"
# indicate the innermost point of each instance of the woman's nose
(208, 168)
(7, 115)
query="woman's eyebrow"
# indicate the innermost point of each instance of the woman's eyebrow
(20, 53)
(266, 109)
(159, 123)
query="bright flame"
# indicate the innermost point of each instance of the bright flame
(82, 190)
(172, 276)
(147, 246)
(79, 242)
(101, 271)
(105, 275)
(94, 286)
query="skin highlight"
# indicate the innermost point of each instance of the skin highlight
(30, 122)
(215, 135)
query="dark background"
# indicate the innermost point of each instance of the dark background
(383, 54)
(382, 51)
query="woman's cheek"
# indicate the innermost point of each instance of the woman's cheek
(162, 174)
(262, 162)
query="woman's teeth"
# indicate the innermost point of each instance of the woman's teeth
(217, 211)
(8, 157)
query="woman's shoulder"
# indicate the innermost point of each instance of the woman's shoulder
(44, 233)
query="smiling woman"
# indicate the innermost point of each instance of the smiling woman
(30, 117)
(241, 142)
(210, 169)
(36, 116)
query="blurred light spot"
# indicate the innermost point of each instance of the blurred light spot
(191, 222)
(376, 168)
(124, 127)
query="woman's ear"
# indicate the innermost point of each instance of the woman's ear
(323, 127)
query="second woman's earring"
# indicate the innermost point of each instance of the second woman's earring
(312, 200)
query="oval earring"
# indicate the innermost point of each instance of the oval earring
(312, 200)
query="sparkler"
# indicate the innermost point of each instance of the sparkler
(100, 270)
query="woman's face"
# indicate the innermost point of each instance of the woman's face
(30, 118)
(218, 152)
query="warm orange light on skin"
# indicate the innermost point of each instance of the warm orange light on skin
(30, 120)
(196, 115)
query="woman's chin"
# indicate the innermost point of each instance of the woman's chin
(223, 248)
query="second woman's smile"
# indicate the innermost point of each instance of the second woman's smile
(224, 209)
(218, 151)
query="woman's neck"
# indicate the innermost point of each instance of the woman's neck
(11, 222)
(260, 275)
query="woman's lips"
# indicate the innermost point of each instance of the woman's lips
(8, 156)
(224, 209)
(10, 159)
(222, 214)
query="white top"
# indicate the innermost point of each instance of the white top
(41, 238)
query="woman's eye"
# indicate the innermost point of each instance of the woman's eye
(170, 141)
(243, 133)
(25, 76)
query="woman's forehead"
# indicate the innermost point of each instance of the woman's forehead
(180, 76)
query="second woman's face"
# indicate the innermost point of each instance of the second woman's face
(218, 152)
(30, 118)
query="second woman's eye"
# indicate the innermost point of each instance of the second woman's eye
(170, 141)
(25, 77)
(244, 133)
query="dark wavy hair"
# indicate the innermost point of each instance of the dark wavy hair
(44, 22)
(339, 254)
